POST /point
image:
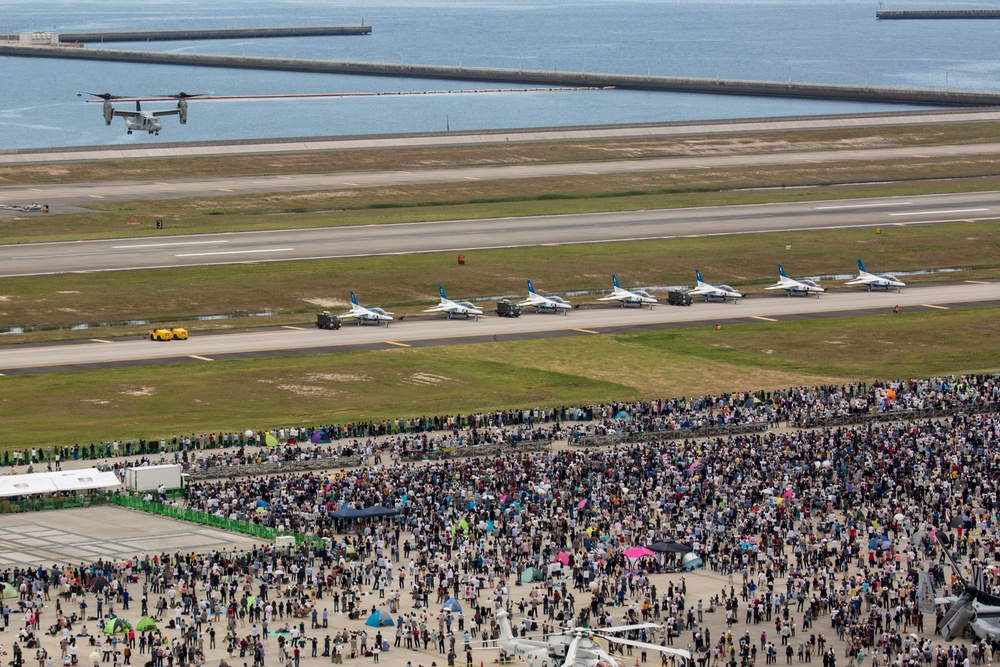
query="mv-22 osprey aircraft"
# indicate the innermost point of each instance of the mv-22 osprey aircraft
(145, 121)
(575, 647)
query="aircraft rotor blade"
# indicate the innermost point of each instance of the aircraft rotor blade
(571, 652)
(649, 647)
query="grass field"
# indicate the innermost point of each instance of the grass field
(162, 401)
(295, 290)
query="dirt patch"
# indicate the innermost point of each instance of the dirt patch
(308, 390)
(336, 377)
(68, 291)
(328, 303)
(426, 379)
(138, 391)
(4, 297)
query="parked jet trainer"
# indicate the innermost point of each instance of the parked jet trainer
(872, 281)
(363, 314)
(710, 292)
(792, 286)
(466, 308)
(626, 297)
(541, 304)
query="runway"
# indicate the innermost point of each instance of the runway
(467, 235)
(207, 348)
(504, 136)
(64, 198)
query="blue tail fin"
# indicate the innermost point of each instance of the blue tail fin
(697, 275)
(531, 288)
(781, 271)
(861, 266)
(354, 299)
(614, 281)
(441, 289)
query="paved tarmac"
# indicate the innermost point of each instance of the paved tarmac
(485, 137)
(63, 198)
(205, 348)
(466, 235)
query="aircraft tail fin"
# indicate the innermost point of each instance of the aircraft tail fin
(354, 299)
(781, 271)
(861, 266)
(441, 290)
(697, 275)
(614, 281)
(925, 593)
(531, 288)
(506, 634)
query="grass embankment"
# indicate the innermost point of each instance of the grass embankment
(409, 283)
(501, 154)
(162, 401)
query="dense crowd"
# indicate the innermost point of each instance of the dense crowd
(814, 532)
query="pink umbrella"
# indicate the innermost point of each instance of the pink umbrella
(563, 557)
(637, 552)
(580, 505)
(788, 494)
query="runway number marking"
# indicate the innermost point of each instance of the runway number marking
(99, 340)
(200, 358)
(761, 317)
(233, 252)
(931, 305)
(392, 342)
(590, 331)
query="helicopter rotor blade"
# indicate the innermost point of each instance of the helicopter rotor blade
(649, 647)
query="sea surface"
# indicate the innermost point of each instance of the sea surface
(826, 41)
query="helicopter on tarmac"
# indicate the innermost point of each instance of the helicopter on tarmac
(144, 121)
(575, 647)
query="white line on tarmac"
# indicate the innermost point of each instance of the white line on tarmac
(958, 210)
(160, 245)
(828, 208)
(233, 252)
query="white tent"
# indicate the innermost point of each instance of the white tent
(54, 482)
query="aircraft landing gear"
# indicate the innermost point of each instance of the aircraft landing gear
(130, 131)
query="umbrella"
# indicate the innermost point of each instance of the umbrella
(563, 557)
(116, 625)
(899, 516)
(262, 503)
(7, 591)
(879, 541)
(637, 552)
(145, 624)
(271, 441)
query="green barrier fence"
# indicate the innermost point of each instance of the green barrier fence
(220, 522)
(8, 506)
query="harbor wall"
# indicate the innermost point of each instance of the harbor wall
(232, 33)
(893, 95)
(938, 14)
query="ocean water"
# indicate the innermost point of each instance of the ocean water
(836, 41)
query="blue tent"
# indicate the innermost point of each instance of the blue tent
(379, 619)
(879, 541)
(452, 605)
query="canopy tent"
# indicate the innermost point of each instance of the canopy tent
(145, 624)
(637, 552)
(7, 591)
(669, 548)
(116, 625)
(345, 512)
(690, 562)
(55, 482)
(379, 619)
(531, 574)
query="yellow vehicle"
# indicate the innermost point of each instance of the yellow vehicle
(169, 334)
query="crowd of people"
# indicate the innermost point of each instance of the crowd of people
(813, 537)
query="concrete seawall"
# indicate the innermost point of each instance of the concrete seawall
(938, 14)
(916, 96)
(213, 33)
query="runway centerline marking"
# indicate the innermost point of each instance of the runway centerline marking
(233, 252)
(99, 340)
(288, 326)
(226, 190)
(351, 184)
(958, 210)
(592, 173)
(915, 155)
(160, 245)
(814, 161)
(284, 178)
(977, 282)
(392, 342)
(761, 317)
(96, 196)
(590, 331)
(200, 358)
(828, 208)
(931, 305)
(472, 178)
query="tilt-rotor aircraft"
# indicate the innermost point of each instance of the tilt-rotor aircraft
(363, 314)
(873, 280)
(466, 308)
(721, 292)
(144, 121)
(792, 286)
(541, 304)
(628, 297)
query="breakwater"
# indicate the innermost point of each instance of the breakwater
(824, 91)
(210, 33)
(938, 14)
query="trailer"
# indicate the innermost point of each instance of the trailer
(151, 478)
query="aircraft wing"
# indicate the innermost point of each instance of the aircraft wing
(167, 112)
(440, 308)
(613, 297)
(860, 280)
(706, 289)
(127, 114)
(781, 286)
